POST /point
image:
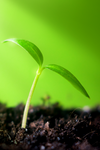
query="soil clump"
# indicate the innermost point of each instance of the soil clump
(49, 128)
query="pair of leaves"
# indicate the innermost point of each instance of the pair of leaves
(37, 55)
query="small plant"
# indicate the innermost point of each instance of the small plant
(37, 55)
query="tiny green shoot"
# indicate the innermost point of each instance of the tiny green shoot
(34, 51)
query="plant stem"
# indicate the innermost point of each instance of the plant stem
(25, 114)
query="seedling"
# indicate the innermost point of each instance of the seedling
(37, 55)
(45, 99)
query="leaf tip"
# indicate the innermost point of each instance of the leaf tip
(88, 96)
(4, 41)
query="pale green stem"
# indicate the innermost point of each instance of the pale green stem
(25, 114)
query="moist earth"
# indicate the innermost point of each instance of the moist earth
(49, 128)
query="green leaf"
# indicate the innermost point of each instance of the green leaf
(69, 76)
(30, 48)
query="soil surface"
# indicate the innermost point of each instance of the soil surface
(49, 128)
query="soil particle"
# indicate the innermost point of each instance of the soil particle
(49, 128)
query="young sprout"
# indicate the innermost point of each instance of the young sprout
(37, 55)
(45, 99)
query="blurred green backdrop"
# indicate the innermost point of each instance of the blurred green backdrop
(67, 33)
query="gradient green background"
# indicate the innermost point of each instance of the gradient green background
(68, 34)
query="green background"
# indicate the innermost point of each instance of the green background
(67, 33)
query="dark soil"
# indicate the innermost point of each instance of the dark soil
(49, 128)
